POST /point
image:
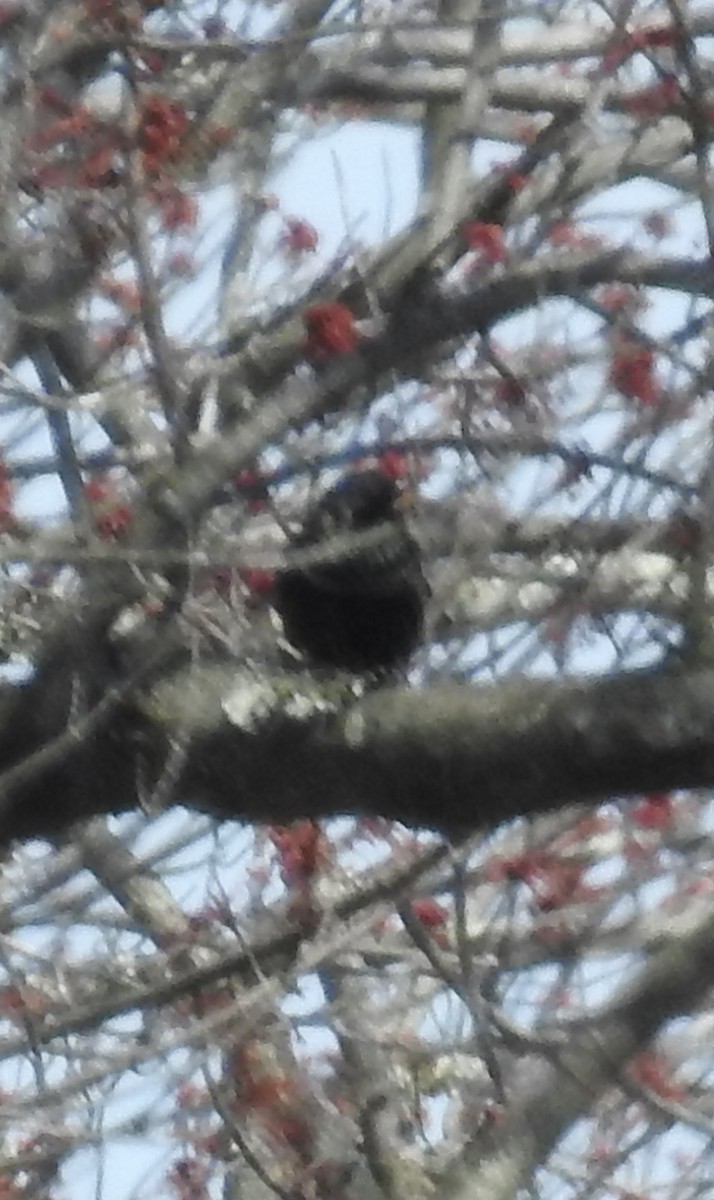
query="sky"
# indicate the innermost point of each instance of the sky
(360, 183)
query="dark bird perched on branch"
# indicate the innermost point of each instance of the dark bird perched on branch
(361, 606)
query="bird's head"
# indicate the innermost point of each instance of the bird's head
(366, 499)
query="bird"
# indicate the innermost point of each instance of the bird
(359, 608)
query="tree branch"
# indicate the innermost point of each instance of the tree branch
(452, 758)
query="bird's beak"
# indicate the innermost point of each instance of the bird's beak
(405, 500)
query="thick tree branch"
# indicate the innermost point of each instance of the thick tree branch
(452, 758)
(502, 1159)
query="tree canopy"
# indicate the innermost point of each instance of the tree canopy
(446, 930)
